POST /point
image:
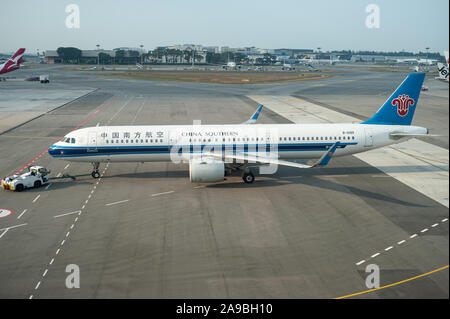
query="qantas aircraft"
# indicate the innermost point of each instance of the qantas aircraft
(214, 151)
(13, 63)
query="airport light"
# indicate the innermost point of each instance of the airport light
(98, 56)
(142, 53)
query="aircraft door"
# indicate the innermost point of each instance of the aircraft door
(92, 141)
(369, 137)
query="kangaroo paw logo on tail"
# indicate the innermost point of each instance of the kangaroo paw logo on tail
(403, 102)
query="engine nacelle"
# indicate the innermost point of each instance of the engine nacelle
(206, 171)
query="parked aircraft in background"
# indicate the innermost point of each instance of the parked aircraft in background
(12, 63)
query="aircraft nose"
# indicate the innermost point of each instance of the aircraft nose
(53, 150)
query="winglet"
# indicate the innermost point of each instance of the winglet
(254, 117)
(327, 156)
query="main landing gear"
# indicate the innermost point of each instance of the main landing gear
(247, 176)
(95, 173)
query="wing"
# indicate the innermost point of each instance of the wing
(322, 161)
(254, 117)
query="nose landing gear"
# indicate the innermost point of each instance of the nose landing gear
(95, 173)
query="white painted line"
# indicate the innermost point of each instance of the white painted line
(87, 200)
(361, 262)
(6, 230)
(71, 227)
(388, 248)
(424, 230)
(62, 243)
(11, 227)
(68, 233)
(444, 220)
(374, 255)
(401, 242)
(37, 197)
(164, 193)
(31, 297)
(89, 196)
(92, 191)
(115, 203)
(51, 261)
(66, 166)
(45, 273)
(37, 286)
(199, 186)
(76, 219)
(59, 175)
(66, 214)
(57, 252)
(434, 225)
(48, 186)
(412, 236)
(83, 207)
(24, 211)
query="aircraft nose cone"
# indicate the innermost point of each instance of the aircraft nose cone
(53, 150)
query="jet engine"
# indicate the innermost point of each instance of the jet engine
(206, 171)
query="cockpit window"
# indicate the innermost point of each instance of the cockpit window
(72, 141)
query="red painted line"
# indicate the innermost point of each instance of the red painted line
(76, 127)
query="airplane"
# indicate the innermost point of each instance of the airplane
(443, 69)
(287, 67)
(231, 66)
(13, 63)
(215, 151)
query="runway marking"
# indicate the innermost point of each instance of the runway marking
(67, 234)
(164, 193)
(48, 186)
(37, 286)
(45, 273)
(11, 227)
(66, 214)
(120, 202)
(59, 175)
(401, 242)
(21, 214)
(393, 284)
(66, 166)
(199, 187)
(37, 197)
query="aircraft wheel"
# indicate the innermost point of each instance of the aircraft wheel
(248, 178)
(95, 174)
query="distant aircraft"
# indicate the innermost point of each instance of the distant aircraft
(443, 69)
(214, 151)
(287, 67)
(231, 66)
(13, 63)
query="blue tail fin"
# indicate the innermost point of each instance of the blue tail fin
(399, 108)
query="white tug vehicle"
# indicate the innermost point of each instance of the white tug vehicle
(34, 178)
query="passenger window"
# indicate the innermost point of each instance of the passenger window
(107, 141)
(131, 141)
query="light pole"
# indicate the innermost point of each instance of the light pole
(98, 56)
(427, 48)
(142, 53)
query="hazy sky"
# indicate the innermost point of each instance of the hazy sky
(411, 25)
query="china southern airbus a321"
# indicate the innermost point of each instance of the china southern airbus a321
(214, 151)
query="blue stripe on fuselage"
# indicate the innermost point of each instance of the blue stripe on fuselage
(74, 151)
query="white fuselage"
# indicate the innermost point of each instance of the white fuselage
(160, 143)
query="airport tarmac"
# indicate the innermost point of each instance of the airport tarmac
(144, 231)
